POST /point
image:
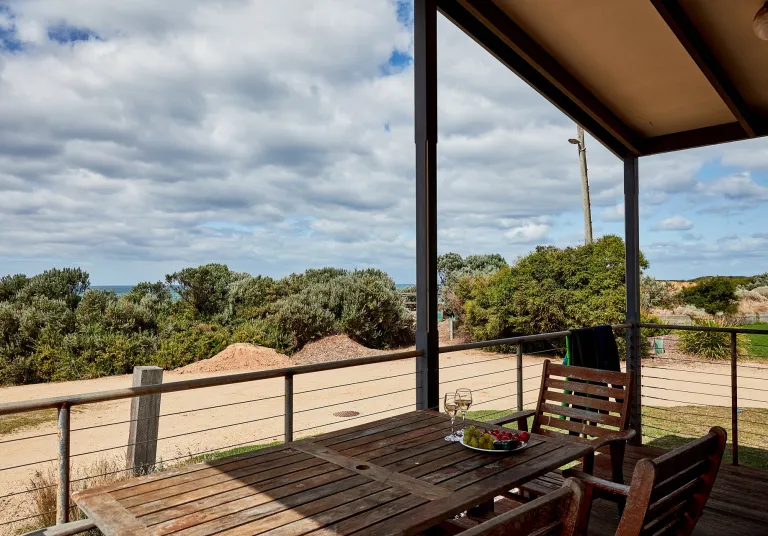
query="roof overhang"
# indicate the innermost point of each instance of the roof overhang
(642, 76)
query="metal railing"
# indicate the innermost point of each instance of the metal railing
(65, 404)
(718, 385)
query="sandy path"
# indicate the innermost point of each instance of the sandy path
(318, 396)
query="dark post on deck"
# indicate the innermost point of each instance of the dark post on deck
(425, 67)
(632, 245)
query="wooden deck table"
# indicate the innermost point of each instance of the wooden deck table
(392, 476)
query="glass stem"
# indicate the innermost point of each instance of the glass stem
(453, 418)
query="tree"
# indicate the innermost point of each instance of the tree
(549, 290)
(654, 293)
(66, 284)
(203, 288)
(713, 294)
(11, 285)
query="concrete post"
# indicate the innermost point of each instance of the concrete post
(145, 421)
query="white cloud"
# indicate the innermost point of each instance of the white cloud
(274, 139)
(737, 187)
(675, 223)
(528, 233)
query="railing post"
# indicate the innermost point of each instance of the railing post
(734, 401)
(62, 496)
(141, 454)
(288, 408)
(519, 376)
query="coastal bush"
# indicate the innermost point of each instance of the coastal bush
(549, 290)
(713, 294)
(655, 293)
(758, 281)
(200, 341)
(710, 344)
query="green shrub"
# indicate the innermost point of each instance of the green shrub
(548, 290)
(200, 341)
(713, 294)
(11, 285)
(66, 284)
(203, 288)
(710, 344)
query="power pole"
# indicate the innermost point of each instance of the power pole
(579, 141)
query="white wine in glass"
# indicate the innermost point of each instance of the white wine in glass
(463, 399)
(450, 406)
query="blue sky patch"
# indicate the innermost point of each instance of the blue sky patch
(8, 37)
(63, 33)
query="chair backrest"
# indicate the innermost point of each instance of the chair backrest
(583, 401)
(555, 514)
(668, 494)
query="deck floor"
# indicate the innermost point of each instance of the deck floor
(738, 505)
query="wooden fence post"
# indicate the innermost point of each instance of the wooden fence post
(145, 421)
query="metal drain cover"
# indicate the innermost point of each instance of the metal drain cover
(346, 414)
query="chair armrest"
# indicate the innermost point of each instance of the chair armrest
(513, 417)
(598, 483)
(624, 435)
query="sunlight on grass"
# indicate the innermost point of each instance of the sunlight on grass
(758, 344)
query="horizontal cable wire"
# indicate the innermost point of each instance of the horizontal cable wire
(355, 383)
(28, 437)
(683, 391)
(177, 435)
(507, 357)
(27, 491)
(19, 520)
(176, 413)
(356, 400)
(26, 464)
(686, 370)
(353, 418)
(686, 381)
(217, 449)
(479, 375)
(682, 402)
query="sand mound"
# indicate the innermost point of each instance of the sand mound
(239, 356)
(333, 348)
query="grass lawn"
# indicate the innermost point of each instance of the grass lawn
(12, 423)
(669, 428)
(758, 344)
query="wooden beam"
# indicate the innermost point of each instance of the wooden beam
(425, 82)
(699, 137)
(675, 17)
(487, 24)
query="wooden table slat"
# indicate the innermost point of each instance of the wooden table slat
(376, 472)
(392, 476)
(263, 484)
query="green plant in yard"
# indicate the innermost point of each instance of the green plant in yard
(758, 344)
(549, 290)
(713, 294)
(711, 344)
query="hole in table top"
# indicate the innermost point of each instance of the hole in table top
(362, 467)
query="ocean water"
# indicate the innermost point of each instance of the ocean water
(125, 289)
(117, 289)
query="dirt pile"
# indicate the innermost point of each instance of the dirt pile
(239, 356)
(333, 348)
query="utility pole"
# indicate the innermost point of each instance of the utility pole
(579, 141)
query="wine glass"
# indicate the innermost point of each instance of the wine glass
(463, 399)
(449, 403)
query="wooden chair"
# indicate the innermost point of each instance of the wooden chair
(560, 513)
(580, 404)
(667, 494)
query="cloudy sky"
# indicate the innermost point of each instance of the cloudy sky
(140, 137)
